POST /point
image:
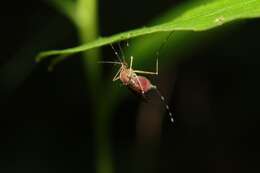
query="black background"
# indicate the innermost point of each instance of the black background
(46, 118)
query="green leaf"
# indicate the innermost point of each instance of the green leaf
(66, 7)
(201, 17)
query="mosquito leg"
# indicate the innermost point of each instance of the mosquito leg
(130, 74)
(117, 76)
(110, 62)
(145, 72)
(115, 79)
(131, 62)
(148, 72)
(139, 83)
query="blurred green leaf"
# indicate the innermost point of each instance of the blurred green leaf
(66, 7)
(197, 18)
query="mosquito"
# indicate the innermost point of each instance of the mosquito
(133, 78)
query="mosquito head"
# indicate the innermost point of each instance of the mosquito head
(125, 64)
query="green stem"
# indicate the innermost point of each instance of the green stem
(87, 24)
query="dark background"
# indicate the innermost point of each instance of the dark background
(46, 118)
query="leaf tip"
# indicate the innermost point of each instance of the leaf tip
(39, 58)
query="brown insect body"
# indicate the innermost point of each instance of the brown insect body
(143, 84)
(138, 84)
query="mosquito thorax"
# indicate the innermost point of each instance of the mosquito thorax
(125, 75)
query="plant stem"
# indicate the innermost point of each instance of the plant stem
(87, 24)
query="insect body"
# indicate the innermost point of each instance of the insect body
(137, 83)
(129, 77)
